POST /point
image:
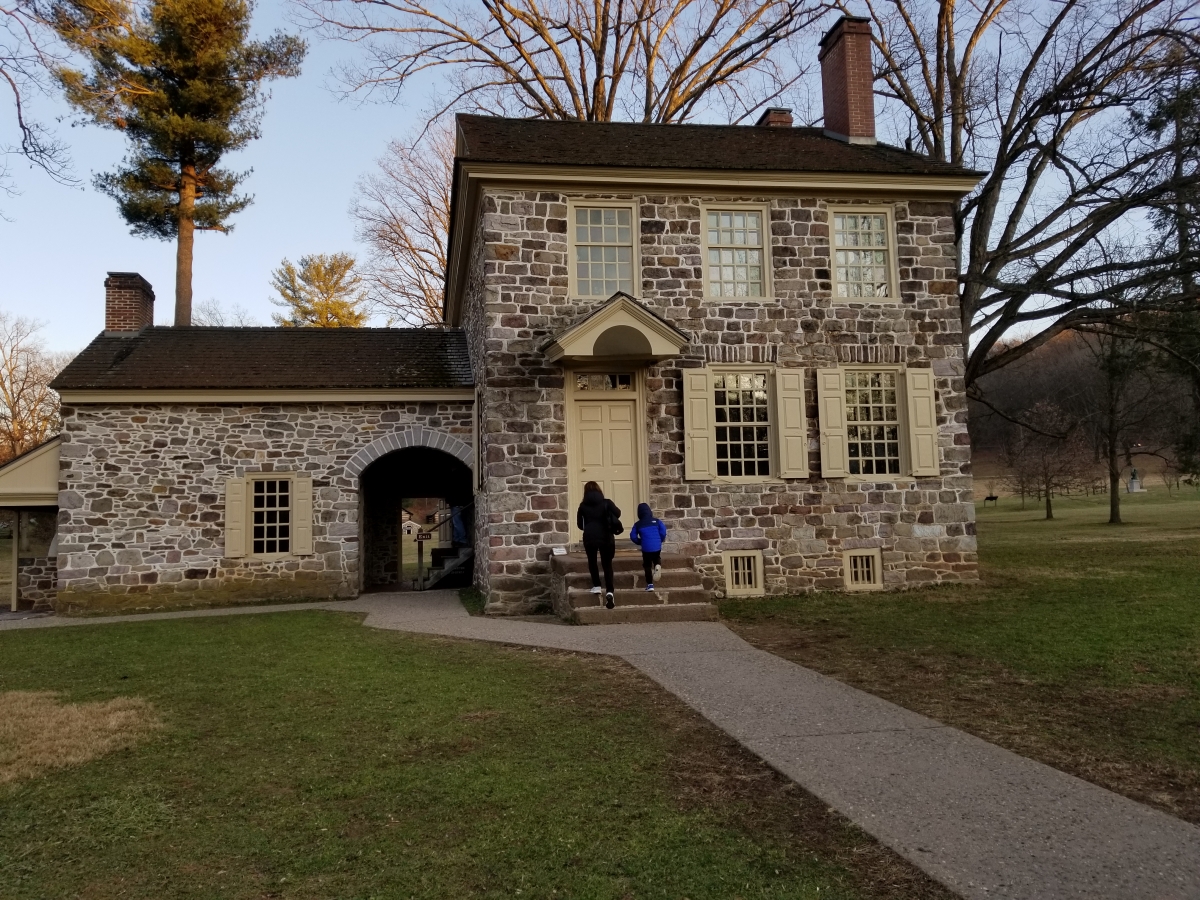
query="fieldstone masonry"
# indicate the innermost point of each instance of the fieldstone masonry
(517, 298)
(142, 495)
(36, 587)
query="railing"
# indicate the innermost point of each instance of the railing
(444, 527)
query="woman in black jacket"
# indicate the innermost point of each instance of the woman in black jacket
(596, 518)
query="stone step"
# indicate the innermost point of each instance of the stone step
(628, 615)
(581, 599)
(624, 561)
(669, 578)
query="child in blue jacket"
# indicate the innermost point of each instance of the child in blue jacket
(649, 533)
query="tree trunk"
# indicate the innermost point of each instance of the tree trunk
(184, 247)
(1114, 483)
(1049, 507)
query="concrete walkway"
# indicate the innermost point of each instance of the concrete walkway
(983, 821)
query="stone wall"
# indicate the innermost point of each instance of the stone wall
(36, 578)
(142, 501)
(518, 297)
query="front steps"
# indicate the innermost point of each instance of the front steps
(678, 595)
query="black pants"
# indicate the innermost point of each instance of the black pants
(607, 550)
(650, 559)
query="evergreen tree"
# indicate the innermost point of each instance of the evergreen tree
(325, 292)
(183, 82)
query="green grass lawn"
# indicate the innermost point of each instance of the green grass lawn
(303, 755)
(1081, 647)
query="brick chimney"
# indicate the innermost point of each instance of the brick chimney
(846, 81)
(775, 117)
(128, 302)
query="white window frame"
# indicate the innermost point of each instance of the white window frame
(889, 213)
(901, 422)
(772, 425)
(759, 589)
(300, 534)
(876, 555)
(634, 208)
(764, 209)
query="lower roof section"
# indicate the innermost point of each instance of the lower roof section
(269, 364)
(31, 479)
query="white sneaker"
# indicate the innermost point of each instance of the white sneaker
(595, 590)
(657, 570)
(608, 601)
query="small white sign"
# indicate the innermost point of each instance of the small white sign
(424, 535)
(559, 551)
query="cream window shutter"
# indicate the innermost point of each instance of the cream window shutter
(791, 426)
(831, 412)
(302, 515)
(922, 422)
(699, 437)
(235, 518)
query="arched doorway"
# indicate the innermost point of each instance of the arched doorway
(408, 491)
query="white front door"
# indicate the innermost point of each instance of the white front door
(607, 451)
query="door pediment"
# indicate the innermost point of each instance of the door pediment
(620, 329)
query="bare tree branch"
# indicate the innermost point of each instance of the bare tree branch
(29, 410)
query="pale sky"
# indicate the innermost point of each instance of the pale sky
(57, 243)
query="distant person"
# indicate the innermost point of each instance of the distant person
(599, 519)
(649, 533)
(458, 530)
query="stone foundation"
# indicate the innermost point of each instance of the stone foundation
(36, 582)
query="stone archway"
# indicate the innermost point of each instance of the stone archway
(409, 436)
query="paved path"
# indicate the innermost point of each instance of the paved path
(983, 821)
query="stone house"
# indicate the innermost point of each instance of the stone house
(753, 328)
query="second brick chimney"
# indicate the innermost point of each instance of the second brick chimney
(128, 302)
(846, 81)
(775, 117)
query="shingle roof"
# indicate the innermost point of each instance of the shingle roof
(272, 359)
(630, 144)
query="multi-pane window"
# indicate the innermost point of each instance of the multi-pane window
(872, 423)
(735, 253)
(272, 516)
(740, 410)
(594, 381)
(860, 249)
(603, 250)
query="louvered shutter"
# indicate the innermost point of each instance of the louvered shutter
(302, 515)
(791, 426)
(922, 422)
(831, 412)
(235, 518)
(699, 441)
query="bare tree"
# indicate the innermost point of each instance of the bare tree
(596, 60)
(1041, 97)
(25, 62)
(29, 410)
(403, 213)
(211, 314)
(1043, 463)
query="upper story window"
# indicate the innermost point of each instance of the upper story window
(603, 239)
(862, 255)
(735, 253)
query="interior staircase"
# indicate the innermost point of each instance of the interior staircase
(678, 595)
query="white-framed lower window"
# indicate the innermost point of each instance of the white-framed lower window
(873, 422)
(864, 254)
(736, 251)
(863, 569)
(269, 515)
(603, 239)
(743, 573)
(742, 417)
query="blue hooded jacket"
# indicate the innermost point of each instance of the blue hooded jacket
(648, 532)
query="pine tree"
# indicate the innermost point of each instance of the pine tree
(325, 292)
(182, 81)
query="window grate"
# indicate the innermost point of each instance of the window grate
(861, 255)
(603, 251)
(272, 516)
(743, 573)
(864, 569)
(740, 408)
(735, 255)
(872, 423)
